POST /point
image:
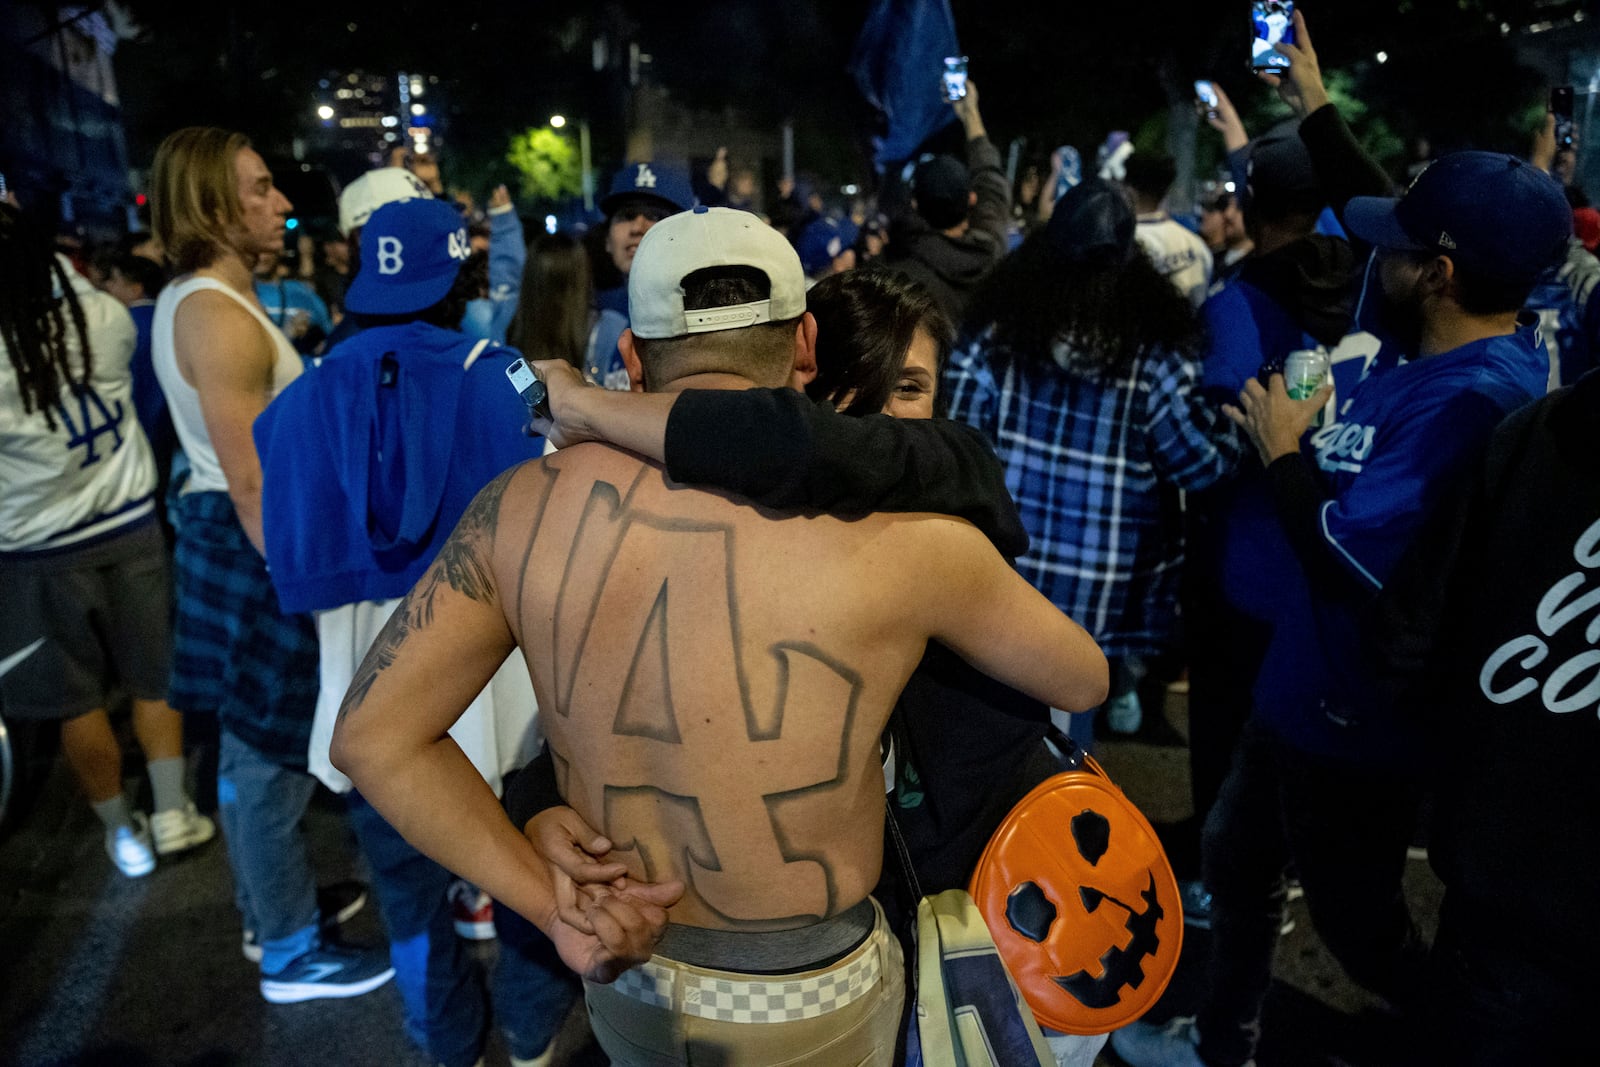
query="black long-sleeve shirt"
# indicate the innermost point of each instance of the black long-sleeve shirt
(783, 450)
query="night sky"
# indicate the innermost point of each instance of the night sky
(1056, 73)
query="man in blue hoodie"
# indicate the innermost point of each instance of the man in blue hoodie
(369, 460)
(1326, 775)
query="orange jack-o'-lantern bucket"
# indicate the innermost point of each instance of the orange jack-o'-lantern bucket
(1081, 902)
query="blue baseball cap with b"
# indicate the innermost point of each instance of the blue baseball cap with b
(1495, 214)
(411, 252)
(659, 181)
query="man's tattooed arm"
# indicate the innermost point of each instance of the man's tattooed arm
(463, 564)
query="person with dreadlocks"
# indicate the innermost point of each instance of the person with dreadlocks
(82, 559)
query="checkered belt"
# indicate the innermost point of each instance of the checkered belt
(663, 984)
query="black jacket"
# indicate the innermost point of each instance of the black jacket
(1489, 632)
(952, 267)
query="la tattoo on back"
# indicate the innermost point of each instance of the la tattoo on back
(658, 744)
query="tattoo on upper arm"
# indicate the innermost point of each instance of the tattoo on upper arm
(464, 564)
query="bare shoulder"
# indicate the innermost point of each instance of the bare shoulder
(212, 310)
(207, 324)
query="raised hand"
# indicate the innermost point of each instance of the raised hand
(1302, 89)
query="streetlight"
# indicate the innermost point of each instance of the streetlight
(324, 112)
(557, 122)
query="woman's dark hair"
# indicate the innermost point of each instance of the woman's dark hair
(552, 320)
(866, 320)
(472, 283)
(34, 320)
(605, 273)
(1106, 311)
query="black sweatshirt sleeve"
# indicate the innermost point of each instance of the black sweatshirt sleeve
(1344, 169)
(1299, 499)
(532, 790)
(783, 450)
(991, 215)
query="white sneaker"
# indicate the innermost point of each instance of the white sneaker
(177, 829)
(1125, 714)
(544, 1059)
(129, 847)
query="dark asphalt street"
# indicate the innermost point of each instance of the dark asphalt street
(96, 969)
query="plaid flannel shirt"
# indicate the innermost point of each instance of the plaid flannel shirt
(1095, 467)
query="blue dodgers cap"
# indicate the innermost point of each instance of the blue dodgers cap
(411, 251)
(823, 241)
(1495, 214)
(666, 182)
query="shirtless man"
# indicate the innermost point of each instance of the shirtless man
(715, 678)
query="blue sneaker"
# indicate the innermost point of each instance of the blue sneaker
(329, 971)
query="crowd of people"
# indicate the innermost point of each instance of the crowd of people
(628, 679)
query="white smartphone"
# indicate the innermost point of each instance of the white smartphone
(530, 388)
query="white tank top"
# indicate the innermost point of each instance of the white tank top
(183, 399)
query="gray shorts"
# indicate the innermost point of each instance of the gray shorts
(104, 615)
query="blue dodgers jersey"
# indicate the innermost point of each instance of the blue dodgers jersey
(1405, 431)
(1246, 329)
(1394, 449)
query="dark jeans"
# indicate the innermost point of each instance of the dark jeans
(1489, 1004)
(446, 1006)
(1346, 830)
(1226, 648)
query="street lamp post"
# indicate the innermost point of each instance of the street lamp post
(559, 121)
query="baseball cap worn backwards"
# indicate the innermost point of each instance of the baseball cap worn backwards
(1493, 213)
(411, 252)
(374, 189)
(679, 245)
(664, 183)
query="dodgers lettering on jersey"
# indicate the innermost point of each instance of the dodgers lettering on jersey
(1519, 669)
(1343, 446)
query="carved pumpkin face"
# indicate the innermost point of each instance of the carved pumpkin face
(1082, 904)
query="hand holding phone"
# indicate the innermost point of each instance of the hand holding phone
(1205, 95)
(1271, 24)
(530, 388)
(1561, 107)
(955, 78)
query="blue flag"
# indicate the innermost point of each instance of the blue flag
(898, 63)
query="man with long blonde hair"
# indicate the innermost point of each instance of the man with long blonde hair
(236, 654)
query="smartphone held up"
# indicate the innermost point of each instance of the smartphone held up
(530, 388)
(955, 77)
(1271, 24)
(1561, 107)
(1205, 95)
